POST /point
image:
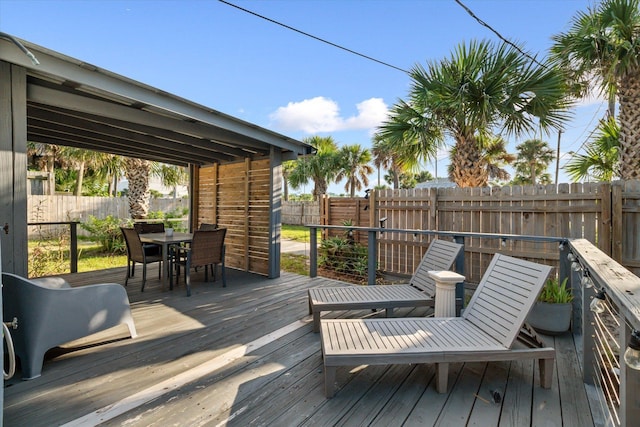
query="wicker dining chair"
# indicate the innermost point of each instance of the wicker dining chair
(138, 252)
(150, 227)
(206, 249)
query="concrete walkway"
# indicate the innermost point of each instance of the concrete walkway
(294, 247)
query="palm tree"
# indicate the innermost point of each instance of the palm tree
(601, 158)
(354, 167)
(534, 157)
(482, 88)
(493, 155)
(321, 168)
(170, 175)
(603, 46)
(137, 173)
(389, 155)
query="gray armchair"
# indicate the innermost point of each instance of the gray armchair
(50, 313)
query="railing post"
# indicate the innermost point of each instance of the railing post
(629, 381)
(574, 283)
(588, 338)
(73, 255)
(460, 269)
(313, 252)
(372, 261)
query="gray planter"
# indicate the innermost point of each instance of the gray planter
(550, 319)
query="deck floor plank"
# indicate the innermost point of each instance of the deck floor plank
(281, 382)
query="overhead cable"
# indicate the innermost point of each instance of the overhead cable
(313, 37)
(500, 36)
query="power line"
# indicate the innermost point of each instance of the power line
(500, 36)
(313, 37)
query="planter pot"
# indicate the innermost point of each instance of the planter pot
(550, 319)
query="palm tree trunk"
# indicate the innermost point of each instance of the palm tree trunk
(629, 95)
(468, 168)
(137, 173)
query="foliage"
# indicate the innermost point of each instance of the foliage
(50, 255)
(555, 292)
(320, 168)
(353, 166)
(482, 88)
(106, 232)
(534, 157)
(343, 256)
(600, 160)
(172, 219)
(600, 50)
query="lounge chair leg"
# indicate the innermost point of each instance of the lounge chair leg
(442, 377)
(329, 381)
(546, 372)
(316, 321)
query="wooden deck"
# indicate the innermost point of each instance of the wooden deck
(246, 355)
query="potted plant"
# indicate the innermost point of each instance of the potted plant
(551, 314)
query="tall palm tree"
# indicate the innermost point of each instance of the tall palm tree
(602, 47)
(321, 168)
(600, 160)
(354, 167)
(534, 157)
(493, 155)
(137, 173)
(389, 155)
(482, 88)
(170, 175)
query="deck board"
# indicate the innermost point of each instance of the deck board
(279, 383)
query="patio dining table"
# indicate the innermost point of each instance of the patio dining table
(164, 240)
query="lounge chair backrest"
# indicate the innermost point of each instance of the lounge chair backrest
(439, 256)
(505, 295)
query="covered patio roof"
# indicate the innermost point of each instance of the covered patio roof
(73, 103)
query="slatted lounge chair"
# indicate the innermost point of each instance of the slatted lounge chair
(490, 329)
(419, 292)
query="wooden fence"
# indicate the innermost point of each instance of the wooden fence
(606, 214)
(300, 213)
(61, 208)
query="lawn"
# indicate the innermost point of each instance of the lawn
(51, 257)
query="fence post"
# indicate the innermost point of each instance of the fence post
(313, 252)
(372, 261)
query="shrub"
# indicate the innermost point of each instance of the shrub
(106, 232)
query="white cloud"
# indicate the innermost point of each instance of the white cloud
(321, 114)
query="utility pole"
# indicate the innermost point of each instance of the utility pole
(558, 157)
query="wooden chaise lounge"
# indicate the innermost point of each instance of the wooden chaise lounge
(490, 329)
(418, 292)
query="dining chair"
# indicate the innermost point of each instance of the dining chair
(139, 252)
(205, 226)
(206, 249)
(150, 227)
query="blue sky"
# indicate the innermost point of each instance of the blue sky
(234, 62)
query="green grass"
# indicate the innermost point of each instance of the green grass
(292, 263)
(299, 233)
(51, 257)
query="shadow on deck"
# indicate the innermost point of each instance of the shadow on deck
(246, 354)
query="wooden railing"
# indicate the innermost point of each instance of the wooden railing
(605, 335)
